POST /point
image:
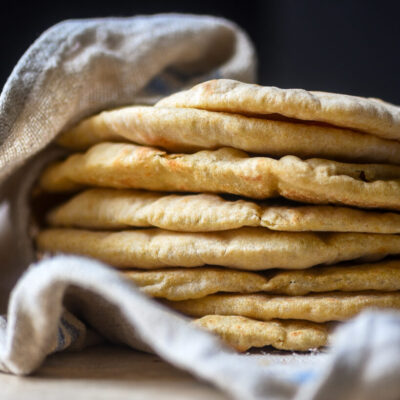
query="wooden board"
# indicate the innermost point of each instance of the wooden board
(106, 372)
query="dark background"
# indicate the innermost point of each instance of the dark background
(333, 45)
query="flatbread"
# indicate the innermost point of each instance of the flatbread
(245, 248)
(183, 284)
(120, 208)
(334, 306)
(243, 333)
(192, 283)
(228, 171)
(188, 130)
(364, 114)
(328, 219)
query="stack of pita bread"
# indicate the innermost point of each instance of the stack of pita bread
(266, 214)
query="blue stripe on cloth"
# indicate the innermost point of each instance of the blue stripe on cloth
(73, 331)
(60, 340)
(304, 376)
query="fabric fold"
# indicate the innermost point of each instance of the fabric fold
(36, 306)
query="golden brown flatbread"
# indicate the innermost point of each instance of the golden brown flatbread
(228, 171)
(333, 306)
(120, 208)
(245, 248)
(188, 130)
(364, 114)
(193, 283)
(116, 209)
(243, 333)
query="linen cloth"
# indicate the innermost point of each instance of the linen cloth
(77, 68)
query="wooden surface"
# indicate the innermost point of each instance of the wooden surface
(106, 372)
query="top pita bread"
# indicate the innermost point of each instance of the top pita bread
(187, 130)
(364, 114)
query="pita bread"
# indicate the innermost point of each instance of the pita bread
(115, 209)
(183, 284)
(364, 114)
(188, 130)
(245, 248)
(327, 219)
(243, 333)
(334, 306)
(192, 283)
(228, 171)
(119, 209)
